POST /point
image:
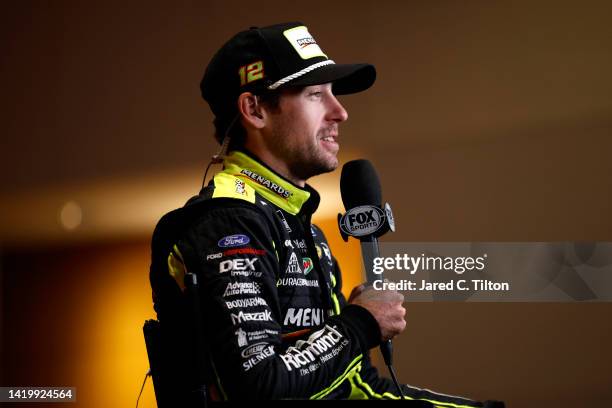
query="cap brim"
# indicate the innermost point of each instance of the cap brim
(345, 78)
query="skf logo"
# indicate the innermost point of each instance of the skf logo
(362, 220)
(237, 265)
(251, 72)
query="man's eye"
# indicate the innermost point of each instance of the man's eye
(316, 93)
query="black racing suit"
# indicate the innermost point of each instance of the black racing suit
(277, 325)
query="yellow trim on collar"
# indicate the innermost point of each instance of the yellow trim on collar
(229, 186)
(269, 185)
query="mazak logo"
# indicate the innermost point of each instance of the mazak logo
(307, 265)
(243, 264)
(305, 317)
(294, 265)
(267, 183)
(233, 241)
(241, 288)
(254, 349)
(362, 220)
(241, 317)
(319, 343)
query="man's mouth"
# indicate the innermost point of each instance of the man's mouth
(330, 139)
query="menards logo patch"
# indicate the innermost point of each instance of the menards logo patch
(270, 185)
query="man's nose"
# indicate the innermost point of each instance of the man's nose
(337, 113)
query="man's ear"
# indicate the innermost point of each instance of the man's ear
(250, 110)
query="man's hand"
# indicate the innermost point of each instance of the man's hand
(385, 306)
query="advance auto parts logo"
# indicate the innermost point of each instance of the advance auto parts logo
(267, 183)
(362, 220)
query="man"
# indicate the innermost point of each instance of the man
(277, 324)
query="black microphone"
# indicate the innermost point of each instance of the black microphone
(366, 219)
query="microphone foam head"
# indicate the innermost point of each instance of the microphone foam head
(359, 184)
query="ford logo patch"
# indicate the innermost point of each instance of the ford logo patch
(233, 241)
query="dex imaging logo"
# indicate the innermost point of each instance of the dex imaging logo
(244, 264)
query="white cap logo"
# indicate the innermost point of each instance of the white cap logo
(303, 42)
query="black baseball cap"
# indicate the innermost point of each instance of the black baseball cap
(259, 60)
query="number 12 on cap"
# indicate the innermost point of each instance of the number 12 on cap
(251, 72)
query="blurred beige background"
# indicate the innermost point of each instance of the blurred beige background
(489, 121)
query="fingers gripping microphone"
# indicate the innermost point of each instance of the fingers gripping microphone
(366, 220)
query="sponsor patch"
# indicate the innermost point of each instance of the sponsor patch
(242, 337)
(283, 220)
(241, 317)
(240, 264)
(299, 243)
(242, 251)
(253, 350)
(307, 265)
(303, 43)
(267, 351)
(246, 274)
(233, 241)
(304, 317)
(294, 265)
(240, 189)
(323, 344)
(214, 256)
(261, 334)
(267, 183)
(242, 288)
(313, 283)
(248, 302)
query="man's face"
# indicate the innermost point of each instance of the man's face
(304, 130)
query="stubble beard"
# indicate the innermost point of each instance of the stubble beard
(303, 161)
